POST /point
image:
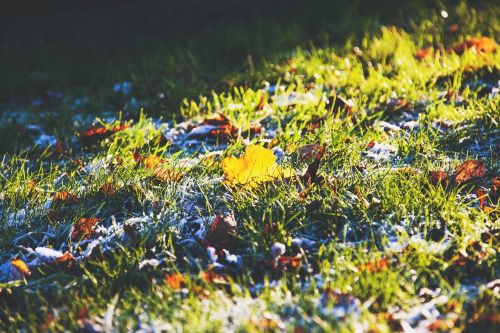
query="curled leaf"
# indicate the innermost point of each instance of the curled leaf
(222, 231)
(66, 260)
(257, 165)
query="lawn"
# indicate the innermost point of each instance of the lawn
(286, 166)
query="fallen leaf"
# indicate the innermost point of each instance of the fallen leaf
(453, 28)
(212, 277)
(218, 128)
(95, 134)
(316, 153)
(375, 266)
(84, 228)
(21, 267)
(257, 165)
(290, 263)
(438, 178)
(64, 197)
(482, 196)
(469, 170)
(262, 102)
(66, 260)
(222, 232)
(107, 189)
(174, 280)
(480, 44)
(423, 53)
(165, 174)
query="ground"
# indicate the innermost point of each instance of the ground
(291, 169)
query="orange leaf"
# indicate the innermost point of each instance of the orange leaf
(375, 266)
(84, 228)
(174, 280)
(480, 44)
(423, 53)
(21, 267)
(64, 197)
(482, 197)
(262, 102)
(67, 260)
(469, 170)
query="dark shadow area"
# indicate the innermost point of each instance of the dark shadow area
(176, 49)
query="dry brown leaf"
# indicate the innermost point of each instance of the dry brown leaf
(64, 197)
(84, 228)
(469, 170)
(438, 178)
(222, 232)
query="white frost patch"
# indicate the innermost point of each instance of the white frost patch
(17, 219)
(295, 98)
(381, 152)
(418, 318)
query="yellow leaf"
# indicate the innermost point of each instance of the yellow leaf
(257, 165)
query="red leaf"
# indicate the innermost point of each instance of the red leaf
(95, 134)
(289, 263)
(469, 170)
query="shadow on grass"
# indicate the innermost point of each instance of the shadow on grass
(173, 49)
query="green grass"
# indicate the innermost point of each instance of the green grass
(380, 241)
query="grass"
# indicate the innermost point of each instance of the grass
(373, 243)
